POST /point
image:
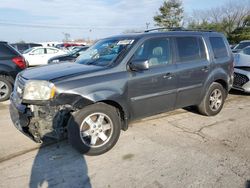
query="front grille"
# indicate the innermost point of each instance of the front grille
(240, 79)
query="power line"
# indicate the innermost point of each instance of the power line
(5, 23)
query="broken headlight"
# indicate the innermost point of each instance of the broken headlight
(39, 90)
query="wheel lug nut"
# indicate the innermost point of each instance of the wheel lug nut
(99, 126)
(100, 130)
(96, 134)
(92, 131)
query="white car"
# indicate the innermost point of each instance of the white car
(40, 55)
(242, 70)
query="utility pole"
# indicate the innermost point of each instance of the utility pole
(147, 25)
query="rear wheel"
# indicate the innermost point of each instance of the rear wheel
(213, 101)
(5, 88)
(95, 129)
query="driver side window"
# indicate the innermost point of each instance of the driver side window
(156, 51)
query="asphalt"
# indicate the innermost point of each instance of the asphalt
(174, 149)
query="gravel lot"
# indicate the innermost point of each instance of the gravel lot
(175, 149)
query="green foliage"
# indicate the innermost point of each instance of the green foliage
(239, 34)
(171, 14)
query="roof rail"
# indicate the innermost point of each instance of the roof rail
(176, 29)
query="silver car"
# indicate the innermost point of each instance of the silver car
(242, 70)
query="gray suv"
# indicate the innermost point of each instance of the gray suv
(121, 79)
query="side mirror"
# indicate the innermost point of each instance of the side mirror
(139, 65)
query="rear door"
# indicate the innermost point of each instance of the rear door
(154, 90)
(193, 69)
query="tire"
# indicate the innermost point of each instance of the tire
(97, 119)
(213, 101)
(6, 88)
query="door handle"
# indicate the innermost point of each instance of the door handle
(168, 75)
(205, 69)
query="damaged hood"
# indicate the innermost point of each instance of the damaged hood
(56, 71)
(241, 60)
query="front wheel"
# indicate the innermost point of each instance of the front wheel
(213, 101)
(95, 129)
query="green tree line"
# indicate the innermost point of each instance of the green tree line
(232, 18)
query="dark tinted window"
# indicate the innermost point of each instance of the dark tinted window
(156, 51)
(6, 51)
(190, 49)
(242, 45)
(219, 47)
(246, 51)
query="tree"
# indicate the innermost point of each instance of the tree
(232, 19)
(171, 14)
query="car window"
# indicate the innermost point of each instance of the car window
(156, 51)
(190, 49)
(5, 51)
(51, 51)
(219, 47)
(39, 51)
(242, 45)
(246, 51)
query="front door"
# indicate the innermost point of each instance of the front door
(154, 90)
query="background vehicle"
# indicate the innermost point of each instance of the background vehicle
(241, 46)
(242, 70)
(11, 63)
(40, 55)
(71, 56)
(21, 47)
(121, 79)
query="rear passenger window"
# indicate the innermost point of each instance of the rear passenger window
(190, 49)
(219, 47)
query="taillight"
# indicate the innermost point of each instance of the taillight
(20, 62)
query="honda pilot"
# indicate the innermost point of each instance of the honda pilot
(121, 79)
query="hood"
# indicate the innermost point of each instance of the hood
(241, 60)
(56, 71)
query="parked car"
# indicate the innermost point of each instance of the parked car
(241, 46)
(40, 55)
(11, 63)
(242, 70)
(70, 57)
(121, 79)
(21, 47)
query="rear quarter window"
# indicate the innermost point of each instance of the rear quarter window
(190, 49)
(219, 47)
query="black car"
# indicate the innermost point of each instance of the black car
(121, 79)
(21, 47)
(11, 62)
(71, 57)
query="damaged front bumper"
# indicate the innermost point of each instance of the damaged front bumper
(39, 122)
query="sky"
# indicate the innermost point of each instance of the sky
(49, 20)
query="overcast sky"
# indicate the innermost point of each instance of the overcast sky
(47, 20)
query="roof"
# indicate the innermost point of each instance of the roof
(169, 33)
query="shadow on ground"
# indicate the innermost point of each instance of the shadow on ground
(248, 184)
(59, 165)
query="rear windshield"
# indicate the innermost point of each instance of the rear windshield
(6, 51)
(105, 52)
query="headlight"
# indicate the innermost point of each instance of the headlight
(39, 90)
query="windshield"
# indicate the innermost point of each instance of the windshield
(104, 52)
(27, 51)
(242, 45)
